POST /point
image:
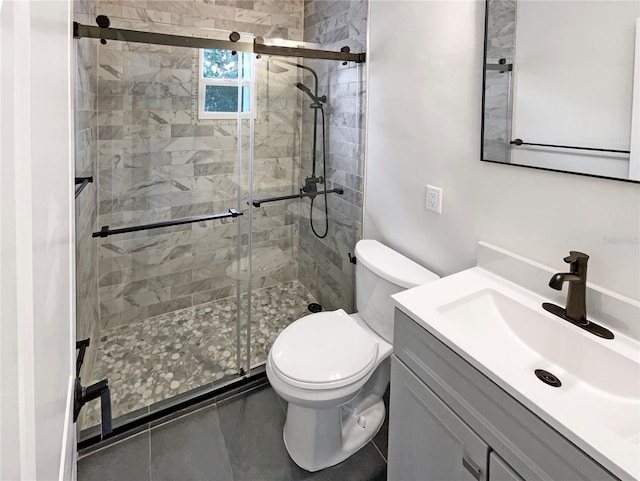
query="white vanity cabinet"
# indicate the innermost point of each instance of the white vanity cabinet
(500, 471)
(430, 441)
(449, 422)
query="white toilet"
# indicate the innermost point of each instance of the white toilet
(333, 368)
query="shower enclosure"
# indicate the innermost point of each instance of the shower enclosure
(225, 204)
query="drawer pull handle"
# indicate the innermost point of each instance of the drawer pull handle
(472, 468)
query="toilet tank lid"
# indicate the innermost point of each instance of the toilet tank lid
(391, 265)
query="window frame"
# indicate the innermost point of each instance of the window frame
(240, 83)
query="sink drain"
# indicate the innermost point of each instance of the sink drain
(547, 378)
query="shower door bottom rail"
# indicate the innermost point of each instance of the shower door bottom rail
(257, 202)
(106, 232)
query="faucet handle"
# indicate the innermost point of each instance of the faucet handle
(575, 256)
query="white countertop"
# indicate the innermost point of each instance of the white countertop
(596, 410)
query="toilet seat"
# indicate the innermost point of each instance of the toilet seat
(324, 351)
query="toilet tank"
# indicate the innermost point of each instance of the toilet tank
(380, 273)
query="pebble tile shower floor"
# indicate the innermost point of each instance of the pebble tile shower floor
(163, 356)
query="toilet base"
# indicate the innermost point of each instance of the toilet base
(338, 432)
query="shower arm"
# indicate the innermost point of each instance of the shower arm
(301, 195)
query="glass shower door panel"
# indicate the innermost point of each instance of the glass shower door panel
(168, 297)
(275, 296)
(302, 141)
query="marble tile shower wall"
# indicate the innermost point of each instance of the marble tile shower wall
(276, 171)
(267, 18)
(157, 162)
(324, 266)
(497, 116)
(86, 135)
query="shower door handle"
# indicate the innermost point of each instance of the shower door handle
(106, 232)
(257, 202)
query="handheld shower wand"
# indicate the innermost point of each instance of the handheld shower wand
(317, 101)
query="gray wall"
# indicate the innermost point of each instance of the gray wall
(424, 128)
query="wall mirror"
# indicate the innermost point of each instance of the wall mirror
(562, 86)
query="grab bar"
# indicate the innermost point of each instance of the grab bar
(257, 202)
(106, 232)
(521, 142)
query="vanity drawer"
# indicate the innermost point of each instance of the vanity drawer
(528, 444)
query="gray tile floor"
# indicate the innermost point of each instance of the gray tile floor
(238, 439)
(158, 358)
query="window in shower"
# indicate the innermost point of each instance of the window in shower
(224, 84)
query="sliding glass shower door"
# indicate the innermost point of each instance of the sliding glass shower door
(170, 169)
(305, 211)
(226, 204)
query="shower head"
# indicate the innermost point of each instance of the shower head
(306, 90)
(317, 101)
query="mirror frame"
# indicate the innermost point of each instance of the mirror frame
(482, 127)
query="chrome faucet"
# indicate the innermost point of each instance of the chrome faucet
(576, 311)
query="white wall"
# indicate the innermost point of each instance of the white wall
(37, 334)
(425, 81)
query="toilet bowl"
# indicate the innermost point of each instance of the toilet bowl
(333, 368)
(326, 387)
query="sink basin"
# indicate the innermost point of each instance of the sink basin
(559, 346)
(502, 330)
